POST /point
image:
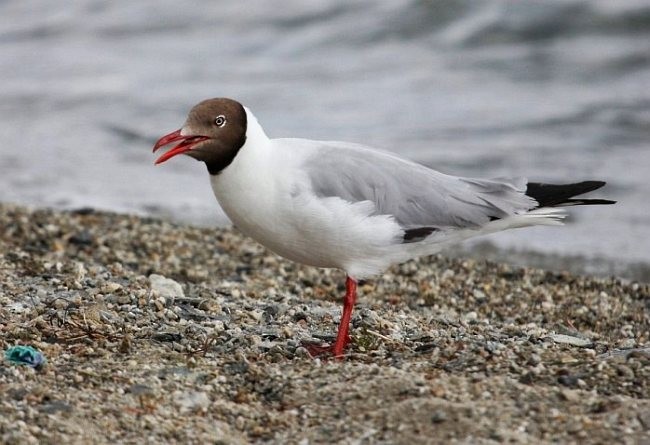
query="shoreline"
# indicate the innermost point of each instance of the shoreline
(600, 267)
(478, 249)
(176, 333)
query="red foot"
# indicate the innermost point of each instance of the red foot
(342, 337)
(320, 349)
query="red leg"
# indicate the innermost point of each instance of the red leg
(343, 337)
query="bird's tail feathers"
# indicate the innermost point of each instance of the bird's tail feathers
(547, 216)
(544, 216)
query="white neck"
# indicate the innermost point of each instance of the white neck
(254, 153)
(255, 134)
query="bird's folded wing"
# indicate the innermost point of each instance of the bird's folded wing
(414, 195)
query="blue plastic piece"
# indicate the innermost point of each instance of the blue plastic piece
(25, 355)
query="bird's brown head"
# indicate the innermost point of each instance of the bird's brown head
(214, 132)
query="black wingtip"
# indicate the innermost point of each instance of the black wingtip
(583, 202)
(553, 195)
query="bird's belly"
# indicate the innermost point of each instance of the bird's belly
(278, 234)
(276, 226)
(321, 234)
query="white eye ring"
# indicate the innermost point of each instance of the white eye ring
(220, 120)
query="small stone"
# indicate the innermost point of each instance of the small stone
(159, 305)
(627, 343)
(17, 307)
(438, 416)
(534, 359)
(83, 238)
(191, 401)
(479, 294)
(568, 380)
(79, 271)
(110, 288)
(256, 315)
(625, 371)
(570, 395)
(471, 316)
(547, 305)
(141, 390)
(125, 344)
(438, 391)
(644, 418)
(55, 406)
(167, 337)
(166, 287)
(123, 299)
(287, 332)
(570, 340)
(60, 303)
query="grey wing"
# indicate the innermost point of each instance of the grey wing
(420, 199)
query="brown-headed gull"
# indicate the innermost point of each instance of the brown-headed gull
(347, 206)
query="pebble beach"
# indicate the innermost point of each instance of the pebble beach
(155, 332)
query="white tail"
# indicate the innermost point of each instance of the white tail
(545, 216)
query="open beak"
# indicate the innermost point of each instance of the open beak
(186, 144)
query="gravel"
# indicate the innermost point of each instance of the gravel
(156, 332)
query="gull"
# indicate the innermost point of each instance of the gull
(347, 206)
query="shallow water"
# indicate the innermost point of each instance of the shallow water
(553, 90)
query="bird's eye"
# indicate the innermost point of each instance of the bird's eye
(220, 121)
